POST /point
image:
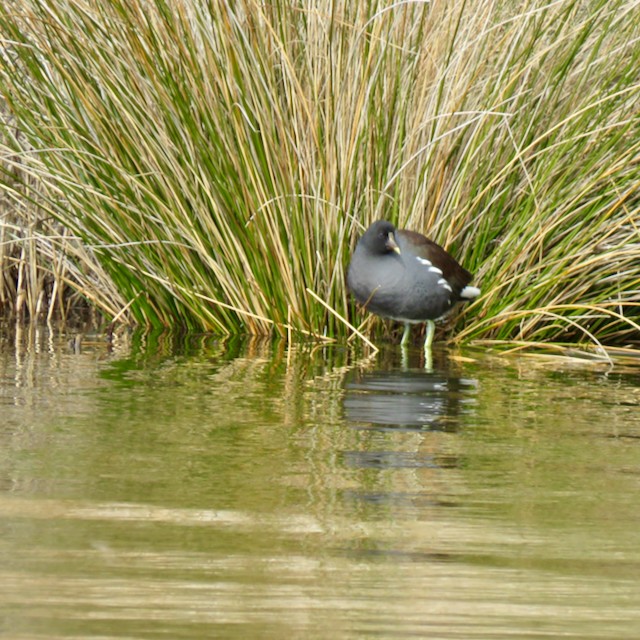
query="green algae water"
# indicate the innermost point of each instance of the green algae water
(210, 489)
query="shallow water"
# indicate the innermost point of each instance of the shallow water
(202, 489)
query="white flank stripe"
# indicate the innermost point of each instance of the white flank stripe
(435, 270)
(470, 293)
(423, 261)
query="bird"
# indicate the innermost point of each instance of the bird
(402, 275)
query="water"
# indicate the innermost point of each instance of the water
(209, 489)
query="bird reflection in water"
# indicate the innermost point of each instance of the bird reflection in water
(408, 420)
(408, 400)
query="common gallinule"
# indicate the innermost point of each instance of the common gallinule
(404, 276)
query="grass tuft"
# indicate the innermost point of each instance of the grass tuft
(205, 165)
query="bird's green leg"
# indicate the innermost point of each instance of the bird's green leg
(428, 339)
(405, 335)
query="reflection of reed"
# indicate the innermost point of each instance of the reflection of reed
(388, 459)
(397, 460)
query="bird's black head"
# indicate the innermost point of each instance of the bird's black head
(379, 238)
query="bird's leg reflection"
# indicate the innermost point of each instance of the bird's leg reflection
(428, 359)
(404, 357)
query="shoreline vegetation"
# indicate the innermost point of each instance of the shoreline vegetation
(208, 166)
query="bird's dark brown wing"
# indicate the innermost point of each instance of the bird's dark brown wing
(456, 275)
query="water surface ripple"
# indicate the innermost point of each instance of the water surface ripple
(217, 489)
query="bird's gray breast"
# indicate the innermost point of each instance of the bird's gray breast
(376, 280)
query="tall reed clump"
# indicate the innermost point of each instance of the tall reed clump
(46, 272)
(220, 158)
